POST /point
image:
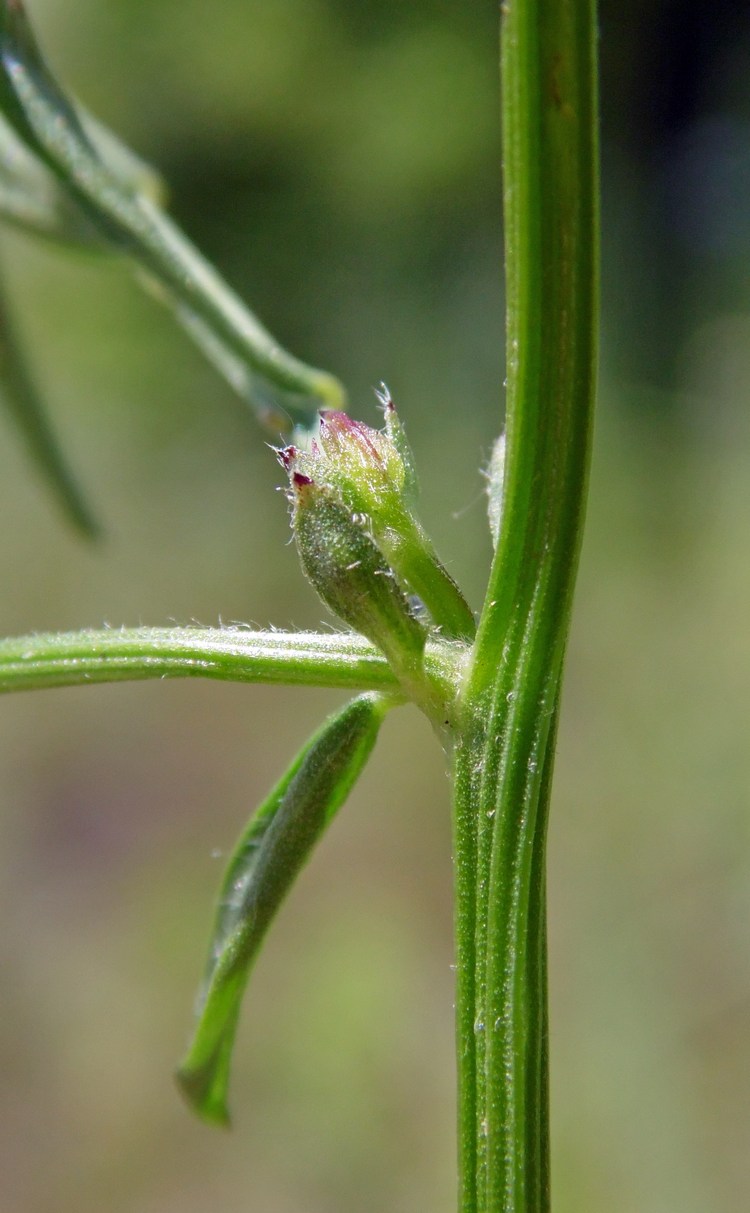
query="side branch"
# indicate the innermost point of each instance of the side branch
(231, 654)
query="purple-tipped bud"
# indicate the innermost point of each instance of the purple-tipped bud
(361, 463)
(361, 466)
(397, 435)
(364, 485)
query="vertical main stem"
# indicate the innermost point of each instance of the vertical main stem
(501, 801)
(504, 747)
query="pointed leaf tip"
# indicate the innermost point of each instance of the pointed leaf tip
(197, 1088)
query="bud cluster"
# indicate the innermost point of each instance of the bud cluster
(359, 542)
(370, 472)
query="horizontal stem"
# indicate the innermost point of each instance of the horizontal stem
(232, 654)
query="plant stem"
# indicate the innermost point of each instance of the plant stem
(231, 654)
(299, 658)
(504, 747)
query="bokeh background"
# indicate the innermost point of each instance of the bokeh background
(338, 159)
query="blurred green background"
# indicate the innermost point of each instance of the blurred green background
(338, 159)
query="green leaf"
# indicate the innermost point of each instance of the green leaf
(129, 168)
(268, 857)
(130, 221)
(19, 395)
(34, 199)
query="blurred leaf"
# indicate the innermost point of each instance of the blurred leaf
(268, 857)
(19, 394)
(33, 198)
(130, 168)
(89, 161)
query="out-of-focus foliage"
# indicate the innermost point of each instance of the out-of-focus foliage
(338, 159)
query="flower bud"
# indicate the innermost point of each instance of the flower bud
(363, 466)
(350, 573)
(370, 474)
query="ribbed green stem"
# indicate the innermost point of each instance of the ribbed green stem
(504, 752)
(340, 659)
(502, 795)
(324, 659)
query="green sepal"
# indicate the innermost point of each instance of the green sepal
(268, 857)
(351, 575)
(397, 435)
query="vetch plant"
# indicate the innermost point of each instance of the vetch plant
(490, 687)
